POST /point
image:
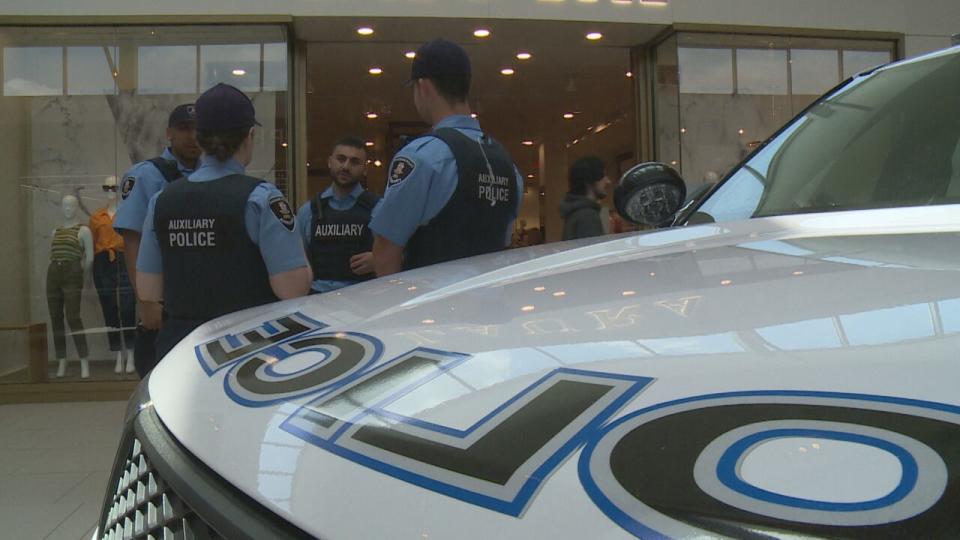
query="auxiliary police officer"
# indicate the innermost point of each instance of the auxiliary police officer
(335, 224)
(139, 184)
(453, 193)
(219, 241)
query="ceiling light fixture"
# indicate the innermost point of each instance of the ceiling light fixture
(568, 115)
(527, 142)
(507, 71)
(655, 3)
(369, 143)
(365, 31)
(376, 71)
(372, 115)
(629, 74)
(594, 36)
(377, 163)
(481, 33)
(410, 54)
(239, 72)
(524, 56)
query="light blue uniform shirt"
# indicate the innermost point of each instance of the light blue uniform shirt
(305, 219)
(147, 181)
(280, 247)
(419, 197)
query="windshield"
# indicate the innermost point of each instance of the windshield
(889, 138)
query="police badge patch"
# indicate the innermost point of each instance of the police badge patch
(127, 186)
(400, 169)
(284, 214)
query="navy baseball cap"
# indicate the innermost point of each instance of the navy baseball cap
(182, 114)
(224, 107)
(439, 58)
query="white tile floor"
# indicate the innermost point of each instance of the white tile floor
(55, 459)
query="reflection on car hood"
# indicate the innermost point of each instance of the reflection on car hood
(860, 302)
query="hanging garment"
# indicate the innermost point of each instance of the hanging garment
(117, 298)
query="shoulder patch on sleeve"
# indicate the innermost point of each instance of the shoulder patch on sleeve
(400, 169)
(127, 186)
(284, 214)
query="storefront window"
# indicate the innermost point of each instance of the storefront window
(79, 106)
(733, 91)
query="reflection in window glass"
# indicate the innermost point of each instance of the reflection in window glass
(950, 315)
(888, 325)
(274, 67)
(90, 70)
(689, 345)
(168, 69)
(236, 65)
(762, 71)
(802, 335)
(599, 351)
(856, 61)
(32, 71)
(705, 71)
(813, 72)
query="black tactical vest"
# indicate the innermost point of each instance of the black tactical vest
(210, 265)
(478, 214)
(337, 235)
(167, 168)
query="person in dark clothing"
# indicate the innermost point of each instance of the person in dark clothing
(581, 208)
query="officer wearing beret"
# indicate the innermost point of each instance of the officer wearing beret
(453, 193)
(335, 224)
(141, 182)
(219, 241)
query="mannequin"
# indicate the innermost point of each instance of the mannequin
(71, 254)
(117, 299)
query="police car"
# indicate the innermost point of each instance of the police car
(783, 363)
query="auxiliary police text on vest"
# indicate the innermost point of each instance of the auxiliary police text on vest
(192, 232)
(338, 229)
(494, 188)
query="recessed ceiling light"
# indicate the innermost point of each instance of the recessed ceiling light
(239, 72)
(473, 115)
(524, 56)
(365, 31)
(369, 143)
(481, 33)
(378, 163)
(528, 308)
(629, 74)
(410, 54)
(507, 71)
(527, 142)
(530, 176)
(372, 115)
(594, 36)
(568, 115)
(376, 71)
(659, 3)
(283, 145)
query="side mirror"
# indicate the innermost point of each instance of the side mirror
(649, 194)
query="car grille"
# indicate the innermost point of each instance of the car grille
(144, 507)
(160, 491)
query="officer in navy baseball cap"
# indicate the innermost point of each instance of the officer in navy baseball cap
(453, 193)
(137, 186)
(219, 240)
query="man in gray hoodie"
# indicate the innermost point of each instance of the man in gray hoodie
(580, 208)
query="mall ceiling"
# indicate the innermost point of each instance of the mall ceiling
(566, 74)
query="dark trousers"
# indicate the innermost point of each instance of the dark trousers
(64, 283)
(172, 332)
(117, 299)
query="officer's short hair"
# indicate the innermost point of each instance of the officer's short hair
(585, 171)
(453, 88)
(351, 141)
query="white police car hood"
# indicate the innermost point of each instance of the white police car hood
(777, 374)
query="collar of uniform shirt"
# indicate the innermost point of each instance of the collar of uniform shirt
(168, 155)
(211, 169)
(461, 121)
(352, 196)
